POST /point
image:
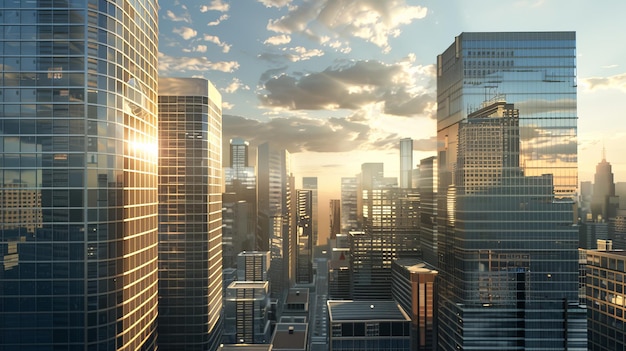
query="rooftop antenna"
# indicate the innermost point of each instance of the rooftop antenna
(603, 152)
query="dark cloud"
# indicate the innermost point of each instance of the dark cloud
(351, 86)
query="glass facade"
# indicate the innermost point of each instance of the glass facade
(507, 158)
(190, 214)
(406, 163)
(78, 174)
(349, 191)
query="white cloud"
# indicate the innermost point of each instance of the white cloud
(222, 18)
(617, 81)
(216, 5)
(173, 17)
(200, 48)
(169, 64)
(216, 40)
(372, 20)
(186, 32)
(235, 85)
(227, 105)
(275, 3)
(278, 40)
(300, 53)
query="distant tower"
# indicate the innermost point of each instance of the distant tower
(604, 203)
(304, 237)
(310, 183)
(238, 153)
(349, 189)
(335, 218)
(406, 163)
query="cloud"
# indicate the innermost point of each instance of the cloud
(215, 40)
(235, 85)
(184, 64)
(278, 40)
(403, 89)
(173, 17)
(216, 5)
(275, 3)
(186, 32)
(200, 48)
(227, 105)
(222, 18)
(296, 54)
(617, 81)
(374, 21)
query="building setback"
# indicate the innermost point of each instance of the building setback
(190, 214)
(79, 126)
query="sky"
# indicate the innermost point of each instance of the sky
(339, 82)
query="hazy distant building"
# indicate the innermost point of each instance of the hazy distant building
(349, 190)
(500, 140)
(604, 203)
(339, 272)
(584, 201)
(190, 214)
(620, 191)
(310, 183)
(617, 229)
(414, 287)
(335, 218)
(79, 134)
(606, 299)
(368, 325)
(406, 163)
(275, 213)
(427, 188)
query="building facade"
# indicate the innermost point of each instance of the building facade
(406, 163)
(253, 266)
(427, 188)
(349, 189)
(190, 214)
(508, 245)
(79, 125)
(334, 218)
(606, 300)
(310, 183)
(304, 236)
(246, 313)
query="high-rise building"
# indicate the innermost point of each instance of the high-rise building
(335, 218)
(606, 299)
(190, 214)
(304, 237)
(604, 203)
(339, 271)
(79, 129)
(246, 313)
(239, 203)
(406, 163)
(253, 266)
(310, 183)
(427, 188)
(275, 213)
(349, 189)
(508, 257)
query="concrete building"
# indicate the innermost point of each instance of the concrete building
(190, 214)
(349, 190)
(246, 313)
(290, 337)
(253, 266)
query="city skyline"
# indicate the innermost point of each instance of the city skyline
(295, 73)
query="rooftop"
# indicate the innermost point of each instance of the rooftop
(298, 296)
(290, 336)
(346, 310)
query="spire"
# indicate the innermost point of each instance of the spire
(603, 152)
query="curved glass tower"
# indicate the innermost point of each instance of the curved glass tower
(78, 175)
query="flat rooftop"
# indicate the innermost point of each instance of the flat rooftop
(284, 339)
(297, 296)
(245, 347)
(346, 310)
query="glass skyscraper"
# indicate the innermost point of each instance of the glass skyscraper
(78, 140)
(507, 158)
(190, 214)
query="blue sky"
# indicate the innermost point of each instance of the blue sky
(339, 82)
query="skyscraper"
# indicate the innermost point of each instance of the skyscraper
(427, 188)
(508, 256)
(406, 163)
(304, 237)
(310, 183)
(79, 130)
(349, 190)
(604, 203)
(335, 218)
(190, 214)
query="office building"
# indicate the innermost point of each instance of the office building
(190, 214)
(290, 337)
(310, 183)
(368, 325)
(79, 130)
(349, 189)
(617, 229)
(275, 216)
(509, 276)
(414, 287)
(620, 191)
(240, 202)
(339, 273)
(304, 237)
(427, 188)
(606, 299)
(246, 313)
(296, 304)
(253, 266)
(335, 218)
(406, 163)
